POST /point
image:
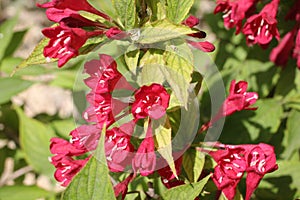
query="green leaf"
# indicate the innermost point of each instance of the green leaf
(35, 141)
(36, 56)
(15, 42)
(132, 59)
(93, 181)
(6, 34)
(63, 127)
(163, 30)
(163, 141)
(10, 87)
(187, 191)
(23, 192)
(292, 135)
(158, 9)
(268, 116)
(286, 179)
(193, 162)
(126, 11)
(178, 73)
(151, 64)
(8, 65)
(105, 6)
(177, 10)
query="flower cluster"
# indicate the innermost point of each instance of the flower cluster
(259, 28)
(149, 101)
(262, 27)
(234, 160)
(73, 29)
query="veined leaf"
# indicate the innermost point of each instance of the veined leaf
(35, 141)
(187, 191)
(193, 162)
(105, 6)
(131, 59)
(93, 181)
(158, 9)
(151, 64)
(10, 87)
(177, 10)
(163, 141)
(36, 56)
(163, 30)
(178, 73)
(126, 11)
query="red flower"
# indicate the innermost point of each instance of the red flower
(191, 21)
(234, 160)
(121, 188)
(69, 4)
(296, 52)
(230, 168)
(118, 150)
(203, 46)
(167, 176)
(282, 52)
(103, 74)
(67, 168)
(262, 27)
(261, 159)
(104, 78)
(150, 101)
(238, 98)
(60, 146)
(85, 137)
(64, 42)
(234, 11)
(145, 159)
(69, 18)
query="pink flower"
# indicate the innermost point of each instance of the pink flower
(67, 168)
(234, 11)
(64, 42)
(262, 27)
(150, 101)
(85, 137)
(69, 4)
(121, 188)
(104, 78)
(118, 150)
(296, 52)
(203, 46)
(144, 160)
(167, 176)
(282, 52)
(69, 18)
(234, 160)
(60, 146)
(115, 33)
(230, 168)
(103, 74)
(238, 98)
(261, 159)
